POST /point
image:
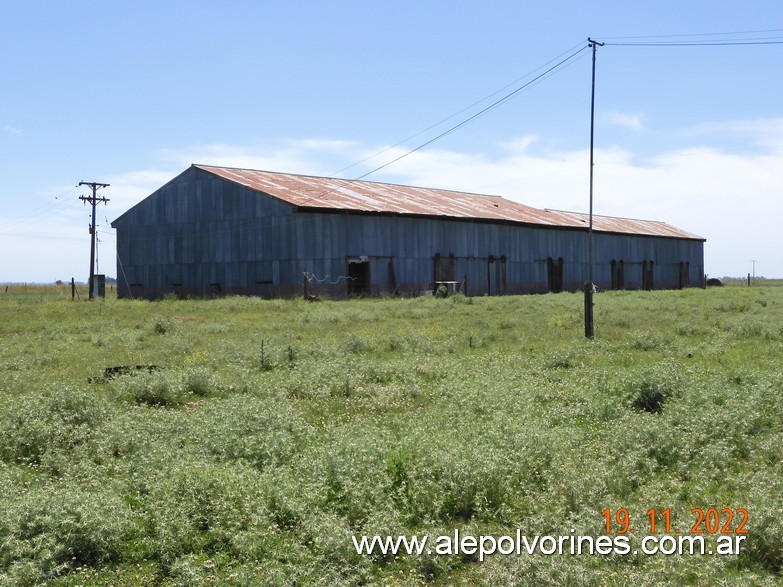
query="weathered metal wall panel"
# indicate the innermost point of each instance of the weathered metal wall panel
(202, 235)
(412, 243)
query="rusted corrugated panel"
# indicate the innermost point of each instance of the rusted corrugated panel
(368, 196)
(631, 226)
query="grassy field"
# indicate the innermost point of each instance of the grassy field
(259, 436)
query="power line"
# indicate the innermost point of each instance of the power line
(699, 40)
(39, 236)
(45, 210)
(682, 36)
(754, 41)
(478, 114)
(463, 110)
(696, 43)
(548, 72)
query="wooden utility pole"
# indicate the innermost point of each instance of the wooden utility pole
(589, 286)
(94, 199)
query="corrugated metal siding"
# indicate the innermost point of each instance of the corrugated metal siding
(200, 230)
(412, 243)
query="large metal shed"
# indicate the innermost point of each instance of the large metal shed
(217, 230)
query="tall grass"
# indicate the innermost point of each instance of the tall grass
(270, 432)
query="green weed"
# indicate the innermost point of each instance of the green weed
(274, 430)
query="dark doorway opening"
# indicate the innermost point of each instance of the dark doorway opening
(647, 275)
(358, 276)
(554, 270)
(496, 275)
(392, 277)
(685, 271)
(618, 274)
(444, 268)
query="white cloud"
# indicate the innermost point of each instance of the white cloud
(519, 144)
(127, 189)
(305, 156)
(631, 121)
(761, 132)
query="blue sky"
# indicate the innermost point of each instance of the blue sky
(132, 93)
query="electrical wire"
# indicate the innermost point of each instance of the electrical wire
(37, 236)
(463, 110)
(46, 210)
(478, 114)
(752, 41)
(720, 34)
(537, 79)
(696, 43)
(700, 39)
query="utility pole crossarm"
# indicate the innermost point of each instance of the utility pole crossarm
(93, 200)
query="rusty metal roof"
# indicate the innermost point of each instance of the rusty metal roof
(326, 193)
(631, 226)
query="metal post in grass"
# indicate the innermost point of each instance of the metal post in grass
(589, 287)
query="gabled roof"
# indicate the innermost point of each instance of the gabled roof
(324, 193)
